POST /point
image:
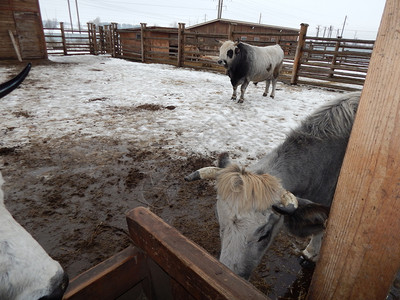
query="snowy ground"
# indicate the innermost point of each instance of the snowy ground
(95, 96)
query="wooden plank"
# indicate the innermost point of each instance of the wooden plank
(186, 262)
(360, 254)
(15, 45)
(111, 278)
(299, 53)
(30, 35)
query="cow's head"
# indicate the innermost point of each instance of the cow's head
(227, 53)
(249, 210)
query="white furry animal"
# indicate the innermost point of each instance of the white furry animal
(26, 270)
(246, 63)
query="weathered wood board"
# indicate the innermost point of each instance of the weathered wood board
(361, 251)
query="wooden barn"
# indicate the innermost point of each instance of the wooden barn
(21, 30)
(262, 32)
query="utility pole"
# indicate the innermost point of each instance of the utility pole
(70, 17)
(77, 13)
(259, 19)
(318, 27)
(344, 23)
(330, 31)
(220, 3)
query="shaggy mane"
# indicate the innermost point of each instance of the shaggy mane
(333, 120)
(246, 190)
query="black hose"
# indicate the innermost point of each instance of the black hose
(12, 84)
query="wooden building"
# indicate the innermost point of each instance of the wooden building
(245, 31)
(21, 30)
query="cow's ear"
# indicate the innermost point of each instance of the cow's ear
(237, 50)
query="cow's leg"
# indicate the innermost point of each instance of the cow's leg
(312, 250)
(267, 83)
(275, 75)
(243, 90)
(274, 80)
(234, 93)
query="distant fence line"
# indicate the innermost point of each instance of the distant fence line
(326, 62)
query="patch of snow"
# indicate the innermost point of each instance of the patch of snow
(89, 96)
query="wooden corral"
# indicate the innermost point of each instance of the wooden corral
(164, 265)
(360, 255)
(21, 30)
(327, 62)
(93, 40)
(198, 46)
(160, 43)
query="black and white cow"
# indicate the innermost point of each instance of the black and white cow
(246, 63)
(292, 185)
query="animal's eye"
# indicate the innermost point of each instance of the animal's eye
(230, 53)
(266, 236)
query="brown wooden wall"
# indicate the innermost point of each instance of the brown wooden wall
(245, 32)
(23, 19)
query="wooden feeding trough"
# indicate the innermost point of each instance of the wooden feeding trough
(164, 265)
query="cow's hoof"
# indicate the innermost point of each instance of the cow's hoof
(265, 94)
(306, 262)
(233, 98)
(272, 96)
(240, 101)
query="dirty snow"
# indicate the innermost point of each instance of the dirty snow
(100, 96)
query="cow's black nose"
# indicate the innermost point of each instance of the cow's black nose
(220, 62)
(59, 290)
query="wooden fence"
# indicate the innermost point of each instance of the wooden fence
(93, 40)
(331, 62)
(326, 62)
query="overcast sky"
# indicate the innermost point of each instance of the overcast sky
(363, 16)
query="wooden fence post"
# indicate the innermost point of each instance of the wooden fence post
(102, 49)
(333, 62)
(360, 255)
(181, 44)
(231, 29)
(299, 53)
(142, 41)
(116, 50)
(64, 44)
(92, 38)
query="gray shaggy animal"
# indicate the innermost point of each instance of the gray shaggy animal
(293, 185)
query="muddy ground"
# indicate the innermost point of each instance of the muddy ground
(72, 194)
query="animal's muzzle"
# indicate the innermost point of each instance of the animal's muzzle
(223, 63)
(59, 290)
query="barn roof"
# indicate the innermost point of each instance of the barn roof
(242, 23)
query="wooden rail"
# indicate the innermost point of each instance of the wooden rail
(167, 266)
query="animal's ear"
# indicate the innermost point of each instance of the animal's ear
(220, 41)
(309, 218)
(223, 160)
